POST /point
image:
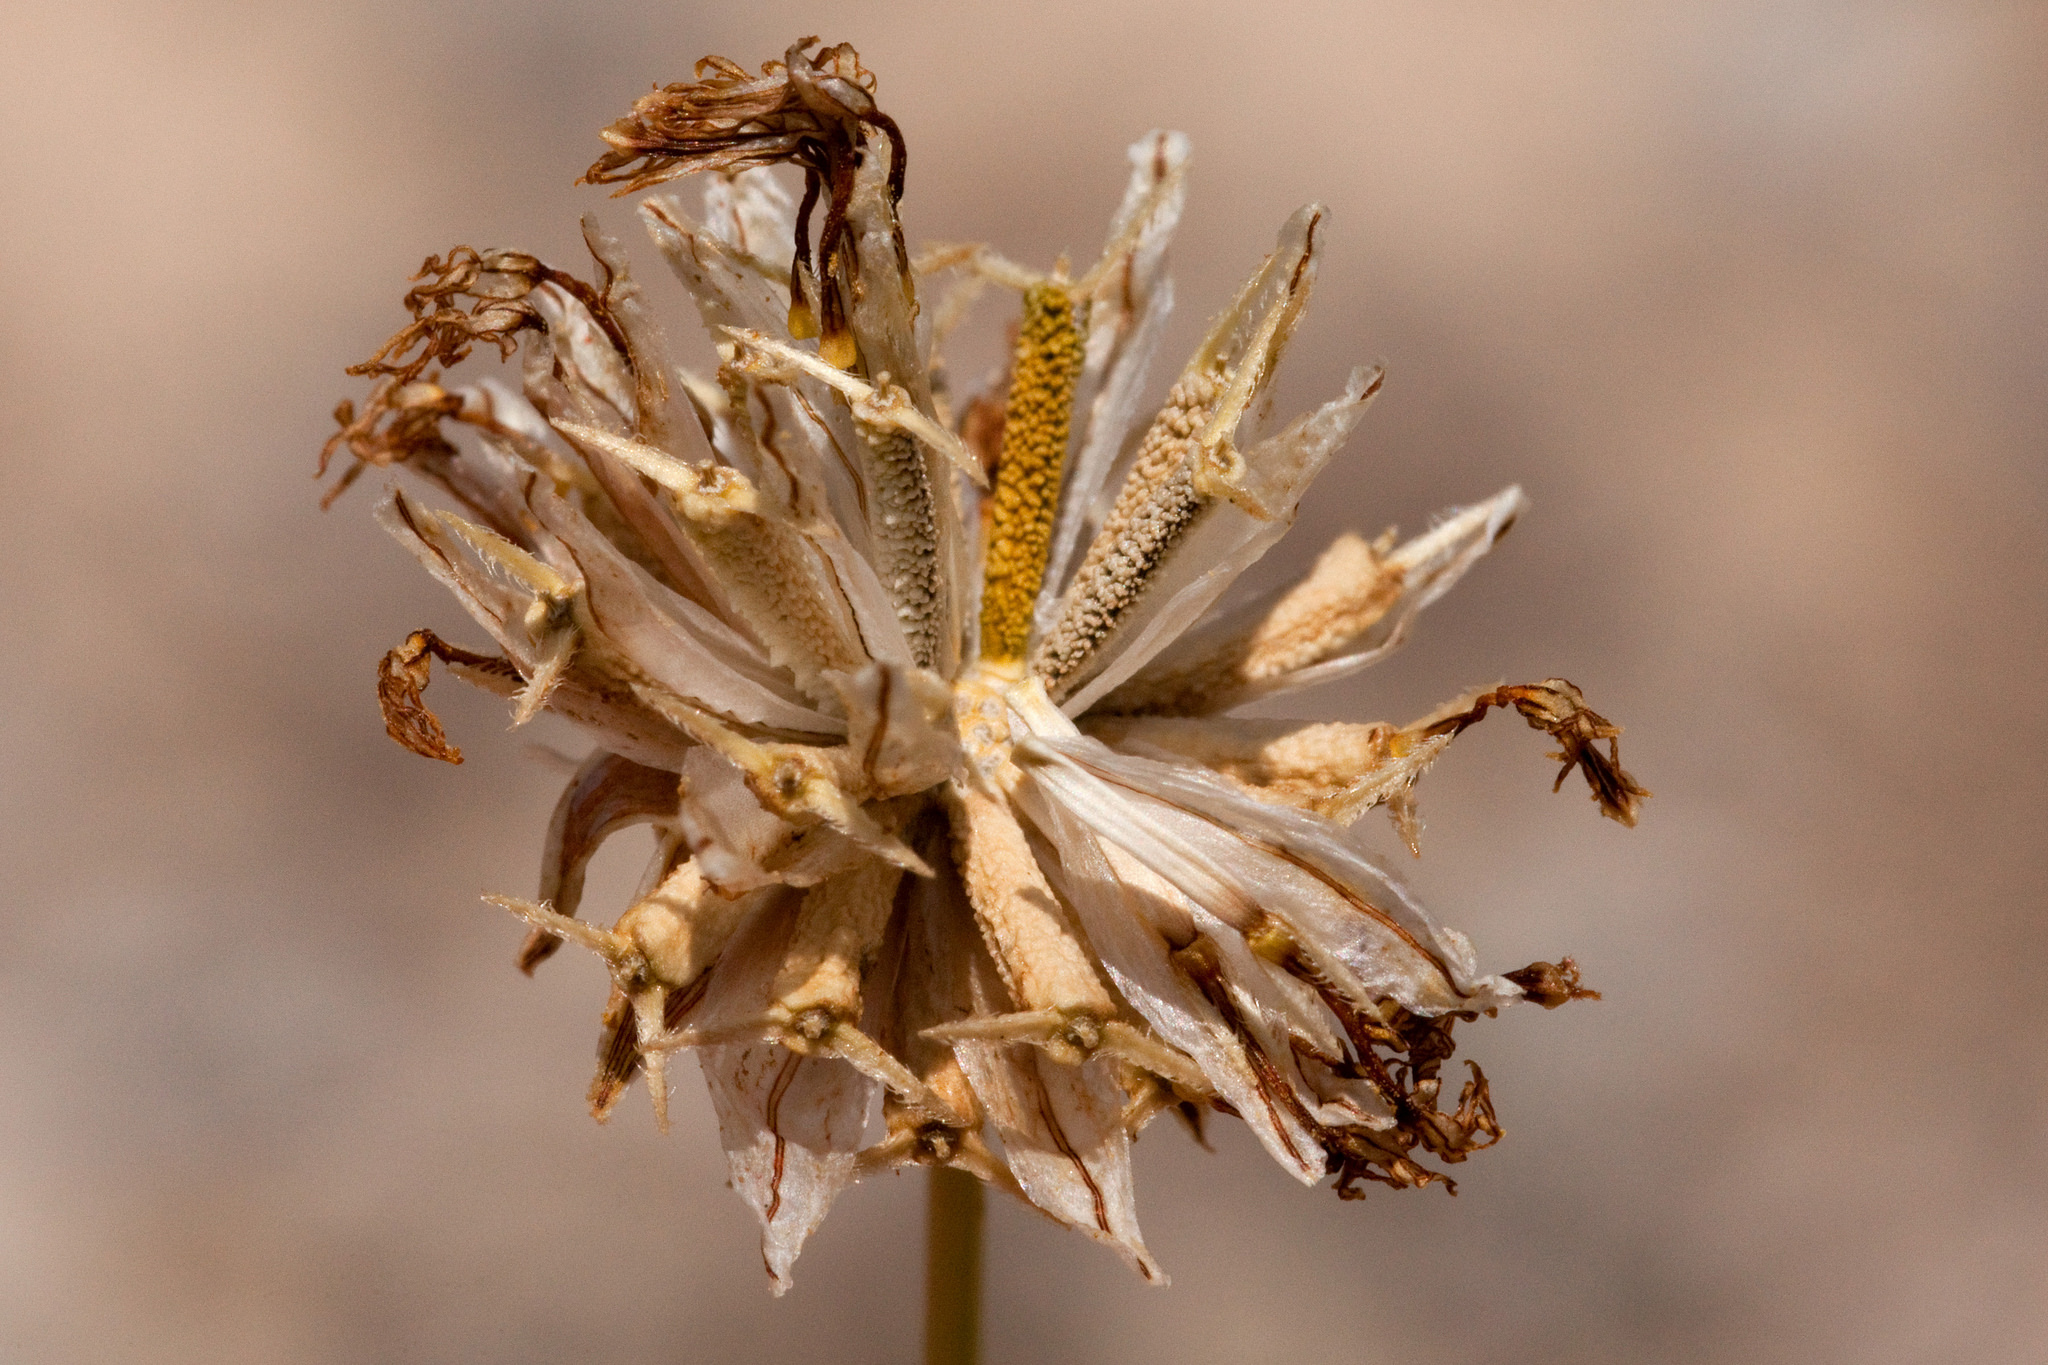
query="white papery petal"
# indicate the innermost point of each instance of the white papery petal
(1063, 1137)
(1227, 540)
(1431, 565)
(753, 211)
(1113, 912)
(881, 316)
(493, 603)
(511, 409)
(1238, 858)
(899, 720)
(1061, 1126)
(790, 1124)
(584, 355)
(676, 642)
(607, 794)
(662, 416)
(724, 825)
(485, 477)
(1125, 321)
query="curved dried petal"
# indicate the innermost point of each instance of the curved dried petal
(608, 793)
(1064, 1139)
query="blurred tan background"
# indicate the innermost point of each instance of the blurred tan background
(1750, 297)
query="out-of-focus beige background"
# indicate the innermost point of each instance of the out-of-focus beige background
(1750, 298)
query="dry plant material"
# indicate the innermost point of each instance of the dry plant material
(931, 705)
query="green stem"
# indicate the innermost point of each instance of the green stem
(952, 1275)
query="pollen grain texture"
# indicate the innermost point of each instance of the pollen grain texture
(1027, 492)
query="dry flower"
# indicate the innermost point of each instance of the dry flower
(933, 718)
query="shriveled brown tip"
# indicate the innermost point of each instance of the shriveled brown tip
(728, 118)
(618, 1057)
(540, 945)
(1551, 984)
(402, 678)
(1559, 709)
(442, 332)
(401, 419)
(811, 110)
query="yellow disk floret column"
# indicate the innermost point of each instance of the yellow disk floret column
(1027, 491)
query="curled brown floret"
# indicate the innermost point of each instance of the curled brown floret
(401, 419)
(1558, 708)
(402, 677)
(1551, 984)
(808, 111)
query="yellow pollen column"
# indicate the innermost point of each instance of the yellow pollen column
(1027, 491)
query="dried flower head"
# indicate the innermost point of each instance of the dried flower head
(931, 710)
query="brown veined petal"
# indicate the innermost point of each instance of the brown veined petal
(1063, 1137)
(900, 723)
(1241, 860)
(791, 1125)
(1121, 910)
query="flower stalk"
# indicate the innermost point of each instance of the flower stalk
(952, 1277)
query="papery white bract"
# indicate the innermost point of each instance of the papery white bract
(929, 701)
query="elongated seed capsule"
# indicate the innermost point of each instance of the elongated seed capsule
(903, 520)
(1027, 492)
(1158, 505)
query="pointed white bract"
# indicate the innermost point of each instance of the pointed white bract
(1004, 862)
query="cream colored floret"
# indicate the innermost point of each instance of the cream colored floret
(1351, 587)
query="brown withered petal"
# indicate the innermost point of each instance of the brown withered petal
(402, 677)
(954, 823)
(1558, 708)
(1551, 984)
(809, 111)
